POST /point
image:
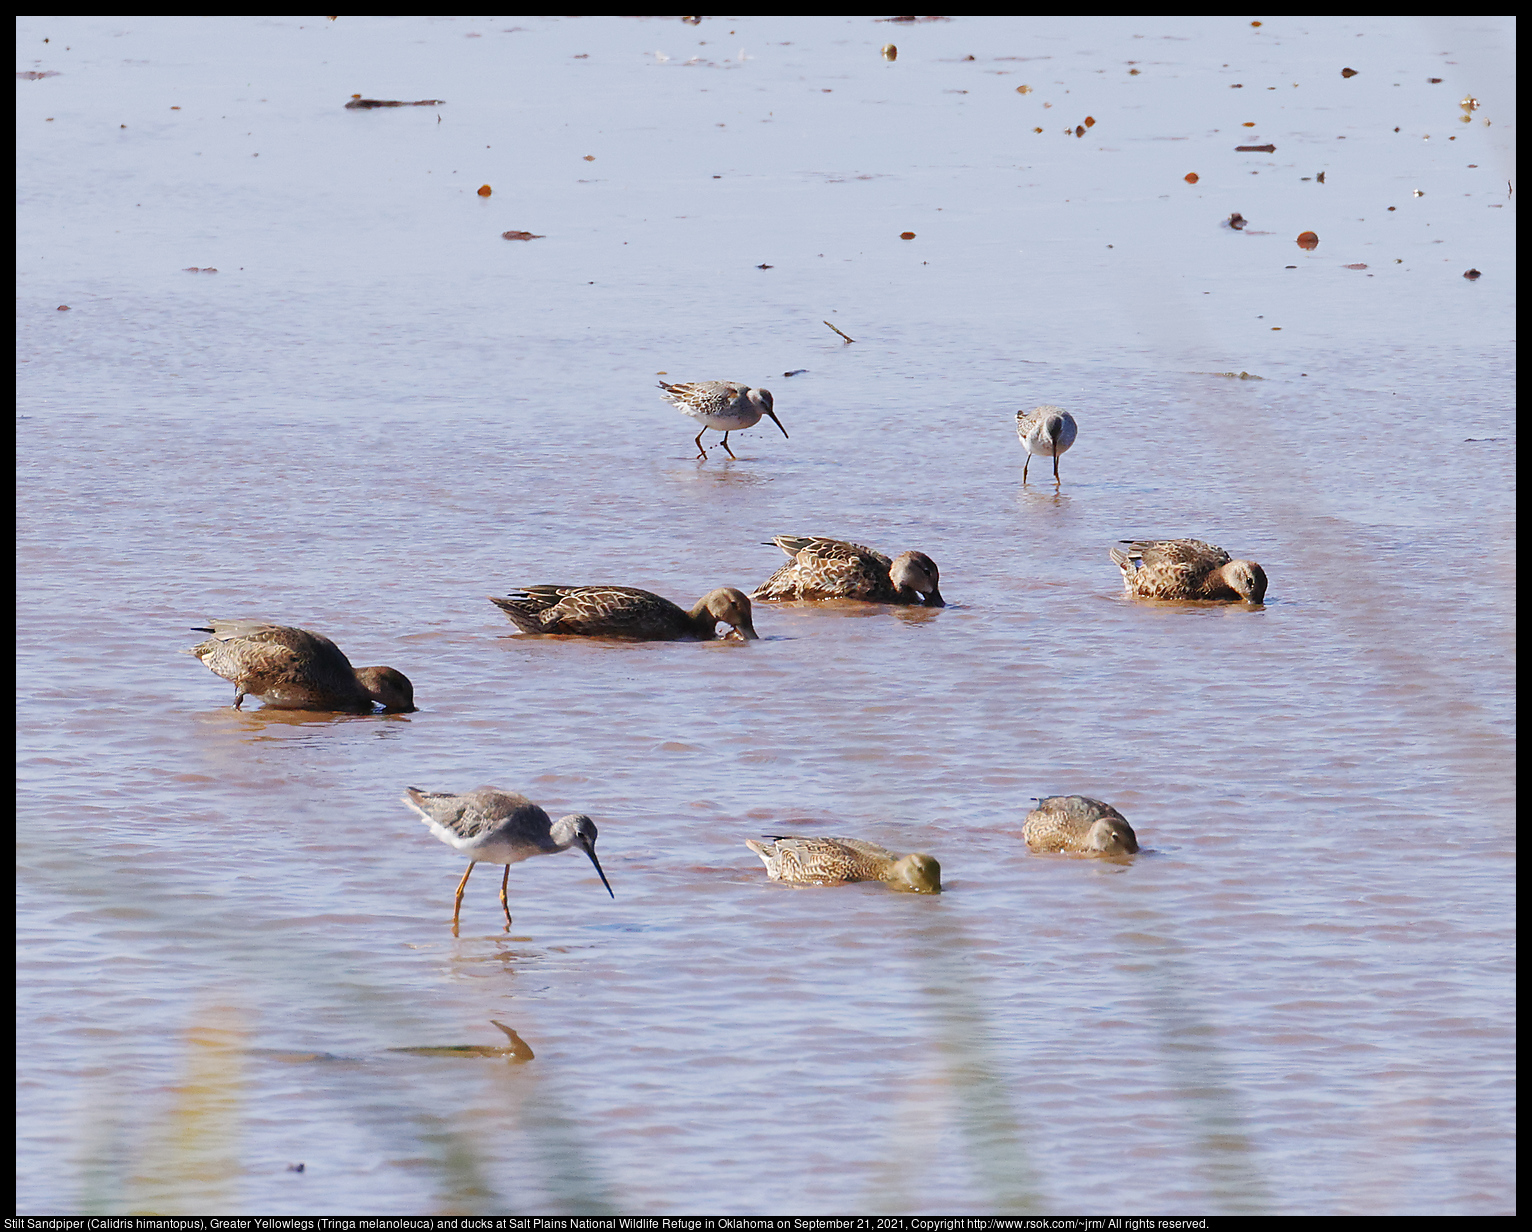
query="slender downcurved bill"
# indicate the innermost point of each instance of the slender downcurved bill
(590, 850)
(778, 422)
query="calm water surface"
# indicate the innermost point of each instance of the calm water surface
(1298, 998)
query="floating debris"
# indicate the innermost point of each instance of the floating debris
(1237, 222)
(206, 269)
(846, 336)
(796, 372)
(1471, 275)
(1348, 72)
(906, 235)
(1255, 149)
(520, 235)
(35, 76)
(765, 267)
(485, 190)
(358, 103)
(1191, 177)
(1308, 241)
(1356, 265)
(890, 52)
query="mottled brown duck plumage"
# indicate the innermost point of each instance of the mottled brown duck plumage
(824, 861)
(1187, 569)
(295, 669)
(819, 568)
(1079, 824)
(625, 612)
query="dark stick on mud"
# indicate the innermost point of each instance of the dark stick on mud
(847, 337)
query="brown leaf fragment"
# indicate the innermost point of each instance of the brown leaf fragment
(1357, 265)
(890, 52)
(1090, 121)
(1191, 177)
(520, 235)
(66, 308)
(1255, 149)
(590, 158)
(1471, 275)
(35, 76)
(1308, 241)
(906, 235)
(1348, 72)
(485, 190)
(1237, 221)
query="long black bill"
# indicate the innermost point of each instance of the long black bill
(590, 850)
(778, 422)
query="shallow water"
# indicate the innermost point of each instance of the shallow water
(1298, 998)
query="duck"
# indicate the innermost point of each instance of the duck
(1079, 824)
(626, 612)
(1187, 569)
(296, 669)
(821, 861)
(820, 568)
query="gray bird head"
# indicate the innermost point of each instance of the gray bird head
(585, 838)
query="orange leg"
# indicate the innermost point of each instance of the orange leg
(504, 881)
(457, 903)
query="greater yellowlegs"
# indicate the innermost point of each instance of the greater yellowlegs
(1187, 569)
(830, 569)
(294, 669)
(1046, 430)
(492, 826)
(820, 861)
(622, 611)
(725, 406)
(1080, 824)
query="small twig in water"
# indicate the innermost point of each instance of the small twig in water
(847, 337)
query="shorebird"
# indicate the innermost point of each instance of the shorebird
(1187, 569)
(492, 826)
(724, 406)
(622, 611)
(294, 669)
(1045, 430)
(830, 569)
(821, 861)
(1078, 823)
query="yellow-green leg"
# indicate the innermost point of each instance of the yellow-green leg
(457, 903)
